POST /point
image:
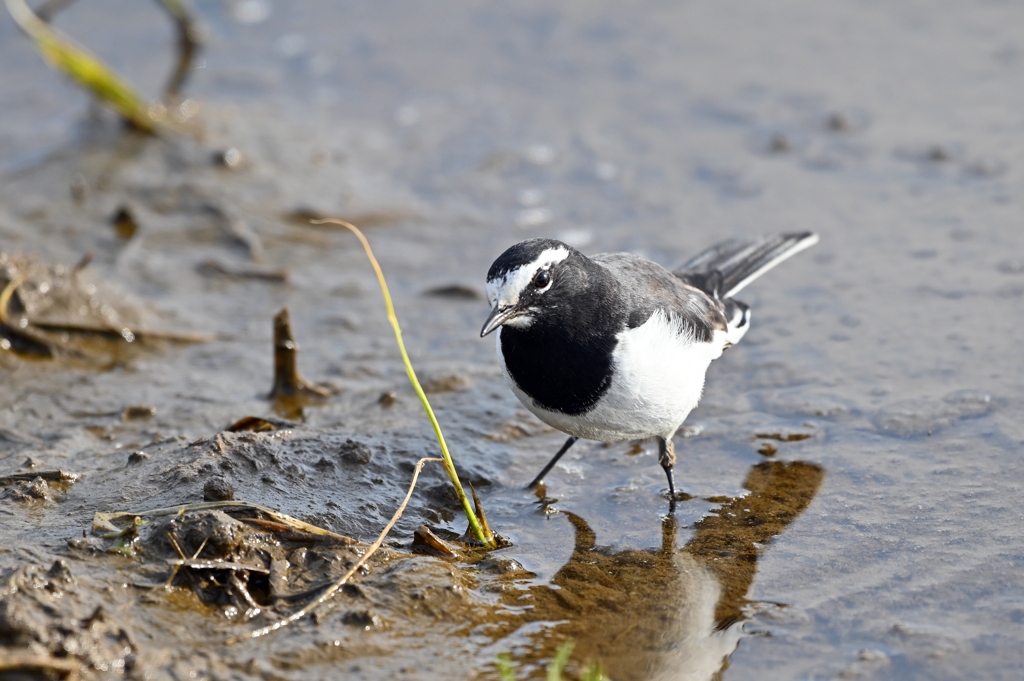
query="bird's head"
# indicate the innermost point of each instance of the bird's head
(529, 279)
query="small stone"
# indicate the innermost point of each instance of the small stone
(938, 153)
(871, 655)
(501, 565)
(59, 574)
(229, 158)
(218, 489)
(780, 143)
(985, 166)
(138, 413)
(37, 489)
(442, 493)
(90, 544)
(846, 121)
(124, 222)
(355, 452)
(364, 618)
(446, 383)
(387, 399)
(137, 457)
(838, 122)
(459, 291)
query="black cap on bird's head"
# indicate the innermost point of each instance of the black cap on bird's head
(519, 278)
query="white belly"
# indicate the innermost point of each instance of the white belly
(658, 380)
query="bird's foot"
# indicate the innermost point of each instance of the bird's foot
(544, 502)
(676, 495)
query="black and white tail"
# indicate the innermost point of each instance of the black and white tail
(725, 269)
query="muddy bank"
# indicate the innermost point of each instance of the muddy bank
(191, 581)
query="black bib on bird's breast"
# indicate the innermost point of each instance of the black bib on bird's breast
(563, 374)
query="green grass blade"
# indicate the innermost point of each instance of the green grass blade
(484, 537)
(557, 665)
(86, 69)
(505, 670)
(594, 672)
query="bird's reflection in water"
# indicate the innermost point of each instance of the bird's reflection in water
(668, 613)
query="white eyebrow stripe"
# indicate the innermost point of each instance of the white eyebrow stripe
(506, 289)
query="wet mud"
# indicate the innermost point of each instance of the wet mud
(852, 475)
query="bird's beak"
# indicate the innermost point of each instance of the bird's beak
(499, 315)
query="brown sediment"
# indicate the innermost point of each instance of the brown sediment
(792, 437)
(252, 424)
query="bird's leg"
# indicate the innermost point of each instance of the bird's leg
(667, 459)
(551, 464)
(669, 529)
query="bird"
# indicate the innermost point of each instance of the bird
(615, 347)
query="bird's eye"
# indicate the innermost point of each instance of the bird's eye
(542, 279)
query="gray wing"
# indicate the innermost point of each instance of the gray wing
(647, 287)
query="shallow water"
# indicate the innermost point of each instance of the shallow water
(890, 540)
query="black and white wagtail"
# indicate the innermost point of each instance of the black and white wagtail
(615, 347)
